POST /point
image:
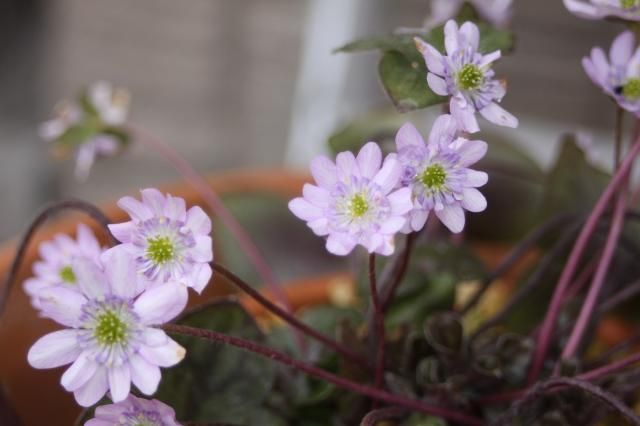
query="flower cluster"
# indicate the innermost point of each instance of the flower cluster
(112, 301)
(466, 76)
(91, 125)
(134, 412)
(365, 200)
(497, 12)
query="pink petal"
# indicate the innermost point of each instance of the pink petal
(340, 244)
(198, 221)
(138, 211)
(452, 216)
(200, 277)
(389, 175)
(408, 135)
(489, 58)
(166, 355)
(80, 372)
(62, 304)
(87, 240)
(496, 114)
(437, 84)
(175, 208)
(160, 304)
(119, 382)
(54, 350)
(475, 178)
(324, 172)
(154, 200)
(369, 159)
(401, 201)
(122, 231)
(418, 219)
(451, 37)
(621, 49)
(93, 390)
(121, 272)
(432, 57)
(393, 224)
(471, 34)
(91, 280)
(346, 165)
(304, 210)
(203, 250)
(471, 152)
(473, 200)
(317, 196)
(444, 130)
(464, 115)
(144, 375)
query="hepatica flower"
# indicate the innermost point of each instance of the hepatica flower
(355, 201)
(54, 268)
(438, 173)
(110, 339)
(599, 9)
(134, 412)
(497, 12)
(90, 126)
(466, 76)
(619, 76)
(168, 242)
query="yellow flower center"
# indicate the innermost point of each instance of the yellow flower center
(628, 4)
(470, 77)
(110, 329)
(358, 205)
(160, 249)
(631, 89)
(434, 177)
(67, 276)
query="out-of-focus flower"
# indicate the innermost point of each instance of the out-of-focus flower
(466, 76)
(111, 340)
(599, 9)
(168, 242)
(438, 173)
(90, 126)
(496, 12)
(619, 76)
(134, 412)
(55, 267)
(355, 201)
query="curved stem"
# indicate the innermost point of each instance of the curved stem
(515, 255)
(614, 367)
(399, 270)
(314, 371)
(379, 323)
(289, 318)
(387, 413)
(601, 394)
(214, 203)
(82, 206)
(546, 331)
(589, 304)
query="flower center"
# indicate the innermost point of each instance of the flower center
(434, 177)
(628, 4)
(110, 329)
(470, 77)
(631, 89)
(160, 249)
(67, 276)
(358, 205)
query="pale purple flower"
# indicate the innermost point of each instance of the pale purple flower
(600, 9)
(54, 268)
(134, 412)
(619, 76)
(111, 340)
(91, 126)
(355, 201)
(168, 242)
(438, 173)
(466, 76)
(496, 12)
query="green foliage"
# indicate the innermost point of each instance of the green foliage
(216, 382)
(402, 70)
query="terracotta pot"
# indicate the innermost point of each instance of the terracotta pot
(37, 395)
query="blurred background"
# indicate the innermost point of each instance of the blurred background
(243, 84)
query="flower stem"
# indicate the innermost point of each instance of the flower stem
(399, 271)
(608, 369)
(586, 312)
(378, 318)
(314, 371)
(546, 331)
(45, 214)
(289, 318)
(617, 148)
(217, 207)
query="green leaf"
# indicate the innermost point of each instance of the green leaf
(379, 126)
(217, 382)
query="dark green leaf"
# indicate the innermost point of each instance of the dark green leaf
(216, 382)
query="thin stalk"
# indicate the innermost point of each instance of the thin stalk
(608, 369)
(586, 312)
(617, 136)
(563, 382)
(614, 350)
(627, 292)
(515, 255)
(378, 317)
(41, 218)
(381, 395)
(387, 413)
(399, 271)
(216, 205)
(289, 318)
(546, 331)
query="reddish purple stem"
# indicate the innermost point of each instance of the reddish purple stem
(378, 318)
(598, 280)
(546, 331)
(321, 374)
